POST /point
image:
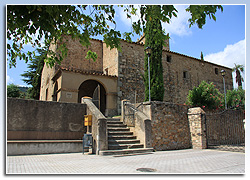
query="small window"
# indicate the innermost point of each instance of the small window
(216, 71)
(168, 58)
(46, 95)
(185, 74)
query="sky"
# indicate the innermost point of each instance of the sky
(221, 41)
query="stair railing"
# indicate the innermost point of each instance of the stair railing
(99, 126)
(138, 122)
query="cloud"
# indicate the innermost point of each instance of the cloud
(128, 21)
(179, 25)
(232, 54)
(9, 80)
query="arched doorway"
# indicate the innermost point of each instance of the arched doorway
(88, 87)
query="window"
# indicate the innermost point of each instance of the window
(46, 95)
(216, 71)
(168, 58)
(185, 74)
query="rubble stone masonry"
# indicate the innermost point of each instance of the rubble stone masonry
(170, 127)
(180, 73)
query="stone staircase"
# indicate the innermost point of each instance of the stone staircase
(121, 140)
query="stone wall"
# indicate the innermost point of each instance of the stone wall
(36, 120)
(180, 73)
(77, 53)
(131, 71)
(110, 60)
(47, 85)
(170, 127)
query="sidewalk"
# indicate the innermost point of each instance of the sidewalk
(161, 162)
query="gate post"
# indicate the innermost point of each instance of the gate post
(123, 109)
(196, 118)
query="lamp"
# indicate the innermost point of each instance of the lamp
(223, 72)
(148, 51)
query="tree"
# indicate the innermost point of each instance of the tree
(50, 22)
(205, 96)
(238, 69)
(202, 58)
(154, 39)
(13, 91)
(33, 75)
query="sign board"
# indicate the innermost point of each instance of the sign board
(87, 140)
(68, 95)
(88, 120)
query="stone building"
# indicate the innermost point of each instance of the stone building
(118, 75)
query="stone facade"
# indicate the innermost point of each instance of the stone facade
(170, 127)
(76, 56)
(180, 74)
(120, 73)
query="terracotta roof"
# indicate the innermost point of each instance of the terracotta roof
(96, 73)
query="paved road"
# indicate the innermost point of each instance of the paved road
(173, 162)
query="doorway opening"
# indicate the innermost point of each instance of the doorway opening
(96, 91)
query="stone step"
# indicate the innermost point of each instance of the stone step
(124, 146)
(126, 151)
(123, 141)
(111, 133)
(121, 137)
(114, 119)
(114, 122)
(118, 129)
(116, 125)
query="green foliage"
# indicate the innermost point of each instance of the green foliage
(236, 98)
(205, 96)
(91, 55)
(200, 12)
(154, 40)
(13, 91)
(33, 75)
(51, 22)
(43, 25)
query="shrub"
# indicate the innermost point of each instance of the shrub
(205, 96)
(235, 98)
(13, 91)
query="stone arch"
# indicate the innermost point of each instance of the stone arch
(88, 87)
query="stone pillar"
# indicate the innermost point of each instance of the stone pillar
(123, 109)
(102, 133)
(196, 118)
